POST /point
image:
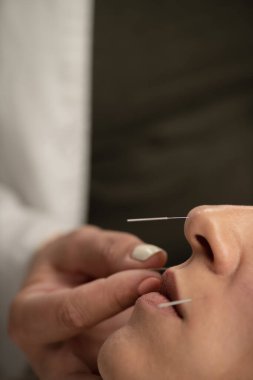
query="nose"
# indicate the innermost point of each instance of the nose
(212, 232)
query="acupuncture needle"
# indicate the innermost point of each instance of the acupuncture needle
(156, 218)
(173, 303)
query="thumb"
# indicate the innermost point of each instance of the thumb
(62, 314)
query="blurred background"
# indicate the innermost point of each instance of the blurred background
(171, 121)
(172, 113)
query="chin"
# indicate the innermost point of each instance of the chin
(104, 360)
(109, 358)
(118, 358)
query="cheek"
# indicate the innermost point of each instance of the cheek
(220, 339)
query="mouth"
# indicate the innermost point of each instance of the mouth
(170, 291)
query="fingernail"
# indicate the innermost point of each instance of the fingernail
(143, 252)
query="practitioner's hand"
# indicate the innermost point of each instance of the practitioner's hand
(80, 289)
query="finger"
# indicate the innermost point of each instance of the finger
(59, 362)
(60, 315)
(83, 376)
(82, 250)
(86, 346)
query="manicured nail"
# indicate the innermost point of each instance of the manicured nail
(143, 252)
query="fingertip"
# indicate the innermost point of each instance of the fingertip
(150, 284)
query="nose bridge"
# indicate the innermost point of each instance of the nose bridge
(207, 230)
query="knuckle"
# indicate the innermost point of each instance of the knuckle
(107, 250)
(71, 315)
(120, 296)
(77, 237)
(112, 297)
(80, 235)
(121, 300)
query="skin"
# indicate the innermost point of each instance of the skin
(214, 338)
(79, 290)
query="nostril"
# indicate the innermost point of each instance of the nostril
(207, 248)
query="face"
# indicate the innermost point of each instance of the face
(208, 338)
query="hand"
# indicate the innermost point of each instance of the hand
(80, 288)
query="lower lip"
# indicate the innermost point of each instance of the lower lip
(152, 300)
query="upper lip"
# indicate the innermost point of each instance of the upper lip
(170, 290)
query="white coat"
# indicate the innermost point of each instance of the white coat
(44, 135)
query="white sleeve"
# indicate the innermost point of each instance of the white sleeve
(22, 230)
(44, 135)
